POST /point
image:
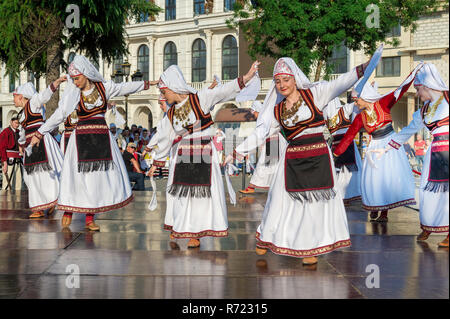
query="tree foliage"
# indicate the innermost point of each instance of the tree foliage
(308, 31)
(28, 28)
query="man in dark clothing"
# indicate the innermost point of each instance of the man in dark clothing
(136, 175)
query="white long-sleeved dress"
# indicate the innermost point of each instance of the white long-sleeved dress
(292, 227)
(43, 185)
(191, 217)
(96, 191)
(433, 206)
(349, 181)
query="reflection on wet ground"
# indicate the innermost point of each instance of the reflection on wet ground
(132, 257)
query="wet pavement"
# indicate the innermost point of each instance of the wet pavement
(132, 257)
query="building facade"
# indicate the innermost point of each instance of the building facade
(194, 35)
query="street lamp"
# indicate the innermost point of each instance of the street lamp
(118, 76)
(137, 76)
(126, 71)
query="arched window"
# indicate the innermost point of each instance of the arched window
(229, 58)
(143, 61)
(170, 55)
(171, 10)
(198, 61)
(117, 68)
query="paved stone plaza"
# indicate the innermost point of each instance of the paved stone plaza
(132, 257)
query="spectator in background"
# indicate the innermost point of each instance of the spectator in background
(121, 143)
(126, 135)
(133, 130)
(365, 142)
(419, 149)
(409, 151)
(134, 170)
(145, 136)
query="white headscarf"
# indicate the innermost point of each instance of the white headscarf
(71, 95)
(285, 66)
(429, 76)
(27, 90)
(370, 94)
(173, 79)
(82, 66)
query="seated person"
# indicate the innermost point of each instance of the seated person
(136, 175)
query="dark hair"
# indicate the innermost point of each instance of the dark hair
(15, 118)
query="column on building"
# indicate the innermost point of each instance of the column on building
(151, 46)
(209, 34)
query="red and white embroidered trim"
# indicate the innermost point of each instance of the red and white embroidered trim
(302, 253)
(44, 206)
(394, 144)
(410, 201)
(204, 233)
(351, 199)
(435, 229)
(82, 210)
(159, 163)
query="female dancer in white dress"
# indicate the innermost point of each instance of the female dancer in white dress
(94, 178)
(433, 191)
(268, 158)
(42, 168)
(195, 194)
(348, 166)
(386, 182)
(304, 215)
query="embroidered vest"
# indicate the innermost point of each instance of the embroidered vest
(84, 113)
(433, 125)
(315, 120)
(203, 121)
(342, 121)
(30, 117)
(382, 118)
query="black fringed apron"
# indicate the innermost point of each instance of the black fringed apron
(93, 145)
(308, 171)
(38, 160)
(439, 160)
(92, 136)
(347, 158)
(192, 174)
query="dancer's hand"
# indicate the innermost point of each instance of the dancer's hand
(35, 141)
(151, 171)
(251, 72)
(5, 168)
(213, 84)
(229, 159)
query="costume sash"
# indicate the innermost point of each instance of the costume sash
(438, 172)
(347, 158)
(37, 161)
(93, 145)
(308, 170)
(192, 175)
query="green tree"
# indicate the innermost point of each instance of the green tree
(308, 31)
(34, 34)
